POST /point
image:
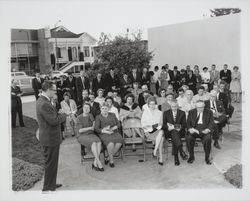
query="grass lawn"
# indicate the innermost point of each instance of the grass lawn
(25, 145)
(234, 175)
(27, 158)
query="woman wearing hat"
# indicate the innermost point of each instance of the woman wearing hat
(235, 85)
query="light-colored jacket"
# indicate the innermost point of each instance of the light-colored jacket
(214, 76)
(69, 109)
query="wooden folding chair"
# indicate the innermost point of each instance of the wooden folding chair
(133, 123)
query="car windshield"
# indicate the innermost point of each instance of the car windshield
(18, 74)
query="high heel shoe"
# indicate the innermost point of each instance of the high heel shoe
(106, 161)
(160, 163)
(95, 168)
(154, 156)
(112, 165)
(101, 169)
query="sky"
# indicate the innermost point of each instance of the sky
(111, 17)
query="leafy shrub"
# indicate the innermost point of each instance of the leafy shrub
(24, 174)
(234, 175)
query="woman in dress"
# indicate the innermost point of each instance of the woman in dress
(153, 81)
(69, 107)
(107, 127)
(164, 78)
(189, 104)
(100, 99)
(235, 85)
(162, 96)
(130, 115)
(112, 109)
(87, 137)
(152, 123)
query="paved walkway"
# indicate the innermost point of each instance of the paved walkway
(131, 174)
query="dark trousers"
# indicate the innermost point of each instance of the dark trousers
(51, 155)
(176, 141)
(36, 95)
(17, 109)
(219, 126)
(206, 141)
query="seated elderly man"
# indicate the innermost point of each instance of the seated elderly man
(200, 124)
(220, 119)
(174, 125)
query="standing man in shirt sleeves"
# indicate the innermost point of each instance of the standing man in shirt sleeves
(49, 121)
(200, 124)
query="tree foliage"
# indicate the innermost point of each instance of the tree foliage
(122, 53)
(224, 11)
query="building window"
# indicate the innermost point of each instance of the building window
(86, 51)
(58, 52)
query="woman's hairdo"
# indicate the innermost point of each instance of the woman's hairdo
(131, 96)
(109, 98)
(151, 99)
(67, 94)
(105, 104)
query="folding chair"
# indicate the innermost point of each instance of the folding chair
(133, 123)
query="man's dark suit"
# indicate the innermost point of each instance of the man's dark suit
(226, 76)
(111, 82)
(222, 119)
(124, 85)
(97, 85)
(191, 82)
(134, 79)
(208, 123)
(145, 79)
(36, 85)
(80, 86)
(174, 134)
(49, 121)
(175, 79)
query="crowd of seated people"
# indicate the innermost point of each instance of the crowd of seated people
(167, 104)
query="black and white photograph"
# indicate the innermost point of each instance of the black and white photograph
(125, 100)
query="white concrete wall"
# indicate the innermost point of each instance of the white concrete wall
(203, 42)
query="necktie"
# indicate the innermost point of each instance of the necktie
(174, 114)
(197, 119)
(83, 82)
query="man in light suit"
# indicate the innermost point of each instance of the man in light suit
(200, 124)
(49, 121)
(214, 77)
(174, 125)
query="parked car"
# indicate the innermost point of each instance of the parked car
(57, 74)
(24, 81)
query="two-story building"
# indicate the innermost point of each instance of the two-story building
(50, 49)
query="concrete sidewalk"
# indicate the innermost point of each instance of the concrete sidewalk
(131, 174)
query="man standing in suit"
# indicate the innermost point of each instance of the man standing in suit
(175, 78)
(50, 137)
(125, 85)
(71, 86)
(82, 82)
(134, 76)
(111, 81)
(200, 124)
(225, 75)
(214, 77)
(97, 83)
(37, 84)
(174, 125)
(220, 118)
